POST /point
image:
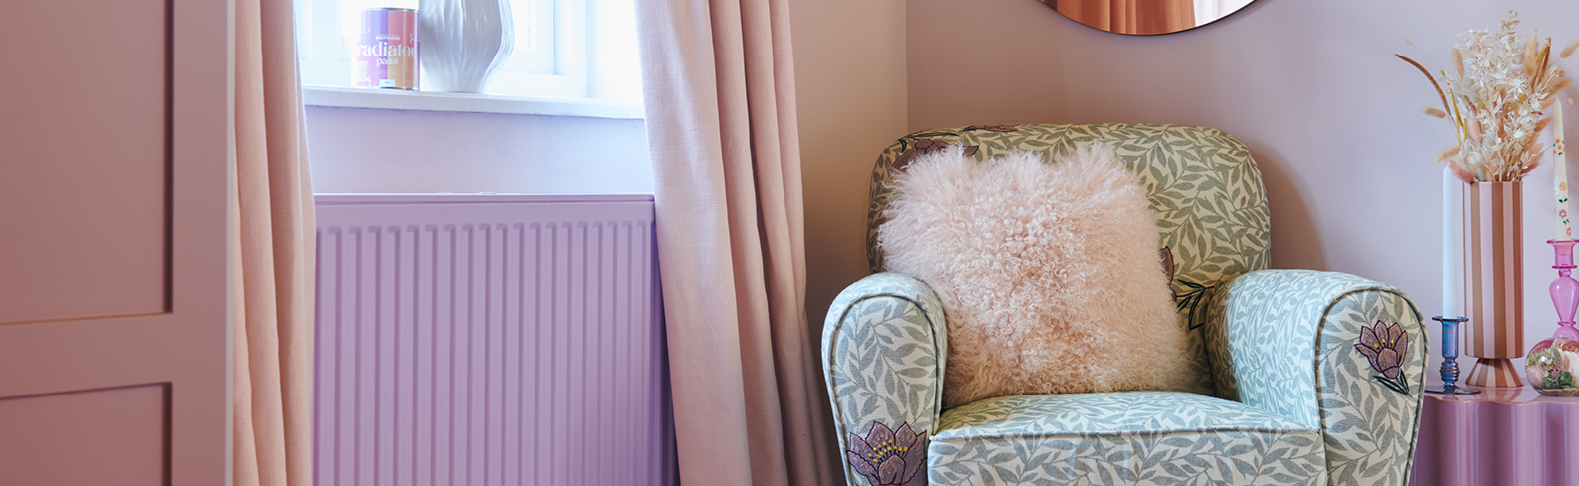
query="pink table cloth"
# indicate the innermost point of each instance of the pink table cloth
(1503, 436)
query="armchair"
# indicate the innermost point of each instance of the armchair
(1313, 377)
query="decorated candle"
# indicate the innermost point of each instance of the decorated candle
(1560, 177)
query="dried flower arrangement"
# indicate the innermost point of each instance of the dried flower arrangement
(1496, 99)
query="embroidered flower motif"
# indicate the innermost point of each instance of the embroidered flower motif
(926, 146)
(993, 128)
(1167, 269)
(1386, 346)
(889, 458)
(1193, 301)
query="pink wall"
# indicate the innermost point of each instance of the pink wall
(850, 100)
(1311, 87)
(850, 97)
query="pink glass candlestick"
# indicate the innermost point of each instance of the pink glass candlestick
(1565, 290)
(1565, 294)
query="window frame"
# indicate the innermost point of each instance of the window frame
(570, 91)
(335, 96)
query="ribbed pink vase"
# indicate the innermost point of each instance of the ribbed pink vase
(1494, 282)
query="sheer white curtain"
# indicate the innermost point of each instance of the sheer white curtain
(720, 102)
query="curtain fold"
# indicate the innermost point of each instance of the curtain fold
(272, 254)
(720, 101)
(1142, 17)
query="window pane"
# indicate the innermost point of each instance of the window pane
(549, 58)
(534, 37)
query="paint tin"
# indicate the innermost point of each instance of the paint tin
(386, 52)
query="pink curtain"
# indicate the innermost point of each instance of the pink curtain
(720, 105)
(272, 254)
(1143, 17)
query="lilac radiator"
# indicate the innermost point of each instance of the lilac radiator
(489, 340)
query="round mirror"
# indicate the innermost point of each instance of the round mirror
(1146, 17)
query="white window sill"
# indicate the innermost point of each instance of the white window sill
(467, 102)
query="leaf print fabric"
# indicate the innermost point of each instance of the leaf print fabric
(1270, 326)
(1122, 438)
(884, 348)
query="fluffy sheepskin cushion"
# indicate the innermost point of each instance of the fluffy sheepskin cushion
(1048, 273)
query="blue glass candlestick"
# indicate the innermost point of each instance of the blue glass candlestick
(1450, 359)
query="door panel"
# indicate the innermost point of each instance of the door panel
(90, 437)
(115, 121)
(83, 191)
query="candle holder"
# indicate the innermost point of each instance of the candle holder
(1450, 359)
(1565, 294)
(1564, 290)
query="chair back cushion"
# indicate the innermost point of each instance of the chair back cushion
(1200, 182)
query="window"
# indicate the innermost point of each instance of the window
(567, 52)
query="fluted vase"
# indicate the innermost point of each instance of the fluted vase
(464, 42)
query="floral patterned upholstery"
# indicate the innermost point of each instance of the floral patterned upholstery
(1321, 371)
(884, 349)
(1271, 326)
(1155, 437)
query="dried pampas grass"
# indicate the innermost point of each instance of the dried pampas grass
(1496, 96)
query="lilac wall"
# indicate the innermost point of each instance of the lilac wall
(361, 150)
(1311, 87)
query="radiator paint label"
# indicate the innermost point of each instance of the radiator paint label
(387, 49)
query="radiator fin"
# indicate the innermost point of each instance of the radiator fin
(489, 344)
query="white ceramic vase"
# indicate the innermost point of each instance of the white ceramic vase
(463, 42)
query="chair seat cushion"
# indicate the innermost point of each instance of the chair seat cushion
(1121, 438)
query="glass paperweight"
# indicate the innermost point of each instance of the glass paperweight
(1551, 366)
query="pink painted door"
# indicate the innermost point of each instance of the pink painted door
(114, 118)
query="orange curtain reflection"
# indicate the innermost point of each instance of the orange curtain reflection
(1138, 17)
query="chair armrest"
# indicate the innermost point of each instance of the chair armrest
(884, 346)
(1288, 341)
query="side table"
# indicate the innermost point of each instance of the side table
(1503, 436)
